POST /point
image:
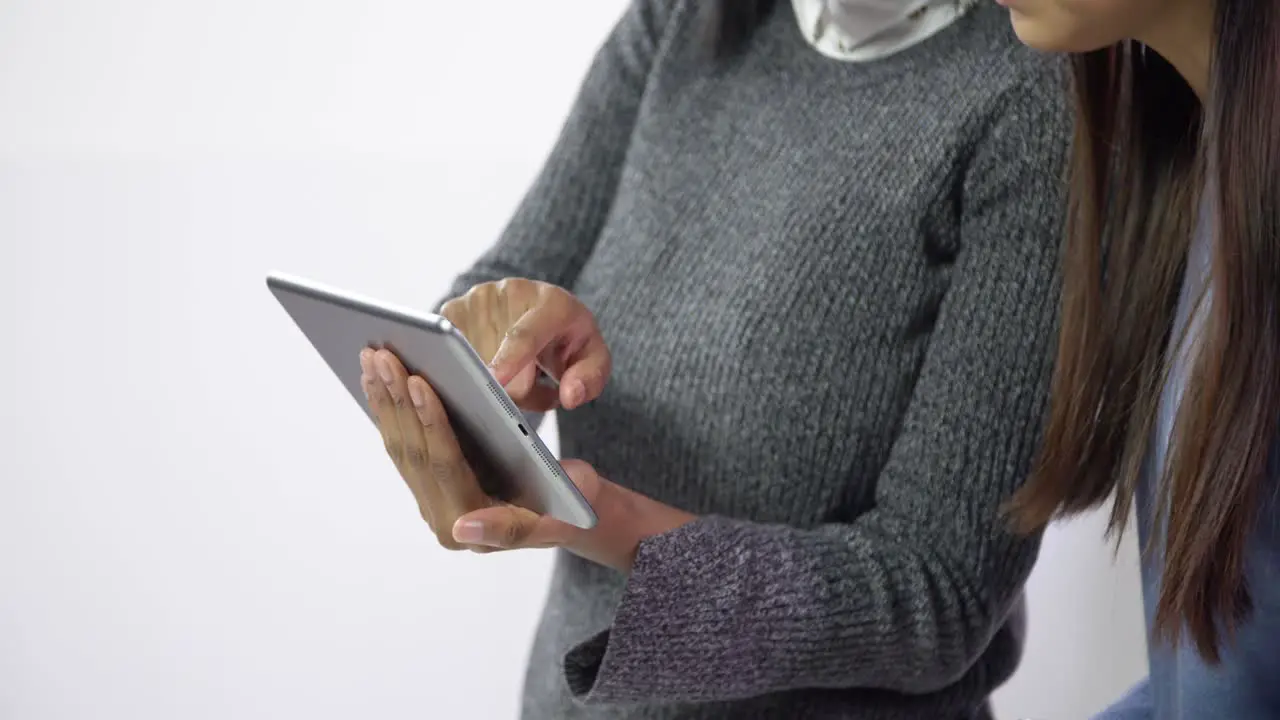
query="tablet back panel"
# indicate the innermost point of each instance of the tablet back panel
(509, 458)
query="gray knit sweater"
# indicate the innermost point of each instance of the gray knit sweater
(830, 293)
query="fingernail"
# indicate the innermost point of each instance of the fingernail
(577, 392)
(415, 395)
(469, 531)
(384, 371)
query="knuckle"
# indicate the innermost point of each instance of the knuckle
(394, 448)
(509, 284)
(555, 293)
(438, 437)
(416, 457)
(521, 290)
(450, 455)
(592, 378)
(431, 414)
(444, 473)
(482, 293)
(518, 338)
(512, 534)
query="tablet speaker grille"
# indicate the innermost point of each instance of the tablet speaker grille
(550, 462)
(516, 415)
(501, 397)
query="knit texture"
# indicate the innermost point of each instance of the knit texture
(830, 292)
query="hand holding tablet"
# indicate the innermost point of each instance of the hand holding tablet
(509, 459)
(482, 479)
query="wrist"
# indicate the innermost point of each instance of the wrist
(626, 518)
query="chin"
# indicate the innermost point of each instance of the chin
(1048, 36)
(1037, 34)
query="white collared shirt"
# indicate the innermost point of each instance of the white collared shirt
(927, 19)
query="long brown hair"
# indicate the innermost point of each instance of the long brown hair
(1144, 146)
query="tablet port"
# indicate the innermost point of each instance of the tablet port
(523, 431)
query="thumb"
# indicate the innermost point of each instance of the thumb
(509, 527)
(585, 477)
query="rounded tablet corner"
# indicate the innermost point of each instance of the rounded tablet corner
(441, 324)
(583, 516)
(589, 519)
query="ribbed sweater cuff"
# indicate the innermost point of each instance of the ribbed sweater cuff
(664, 647)
(724, 609)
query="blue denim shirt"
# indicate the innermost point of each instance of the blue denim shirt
(1181, 686)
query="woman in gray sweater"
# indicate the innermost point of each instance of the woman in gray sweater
(795, 266)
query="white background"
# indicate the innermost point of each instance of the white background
(195, 521)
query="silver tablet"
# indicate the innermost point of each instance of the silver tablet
(506, 454)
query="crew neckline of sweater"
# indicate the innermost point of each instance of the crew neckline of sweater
(781, 33)
(922, 20)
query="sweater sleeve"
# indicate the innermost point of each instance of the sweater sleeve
(555, 227)
(907, 596)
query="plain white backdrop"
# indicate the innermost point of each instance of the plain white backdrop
(195, 521)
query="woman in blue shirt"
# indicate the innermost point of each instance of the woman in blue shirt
(1167, 384)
